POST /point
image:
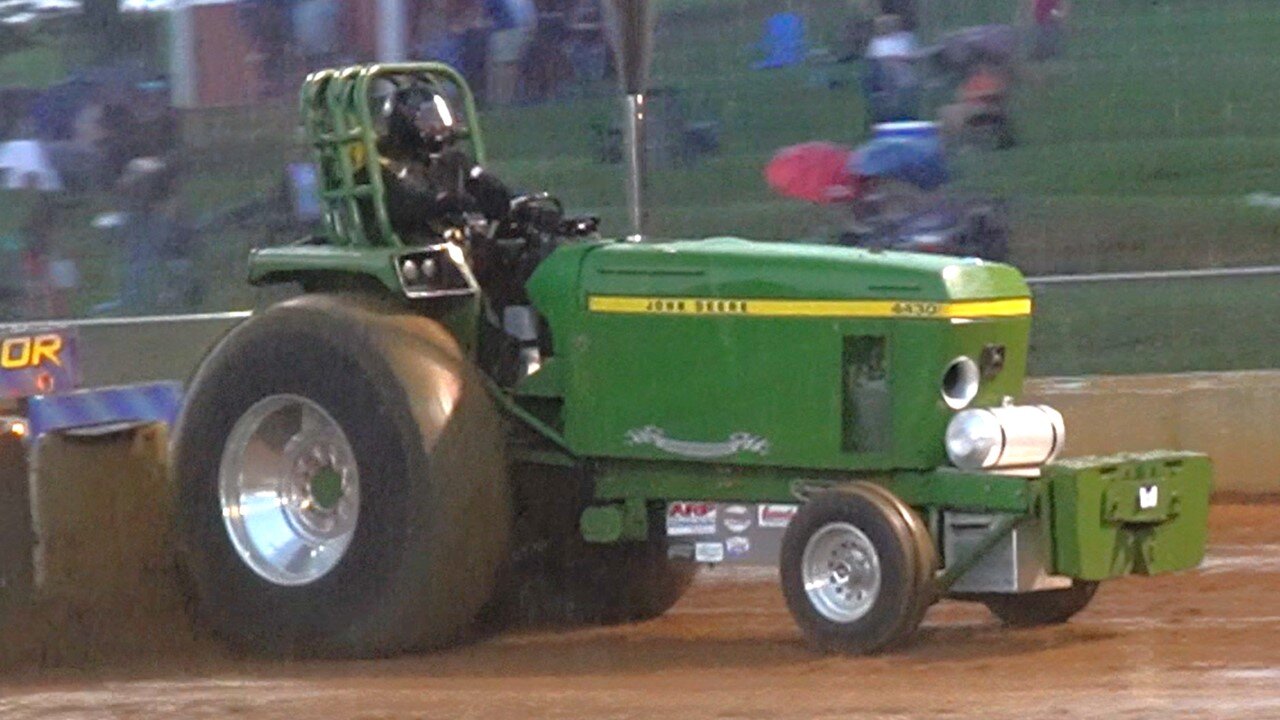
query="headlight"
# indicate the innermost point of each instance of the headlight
(14, 426)
(960, 383)
(1009, 436)
(435, 271)
(409, 270)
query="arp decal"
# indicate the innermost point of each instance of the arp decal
(691, 518)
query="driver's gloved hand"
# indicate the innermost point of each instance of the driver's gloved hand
(492, 198)
(537, 212)
(454, 204)
(579, 226)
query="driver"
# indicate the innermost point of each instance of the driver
(430, 181)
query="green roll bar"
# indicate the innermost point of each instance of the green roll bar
(337, 119)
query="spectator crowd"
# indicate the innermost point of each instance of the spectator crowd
(111, 132)
(515, 50)
(87, 138)
(510, 50)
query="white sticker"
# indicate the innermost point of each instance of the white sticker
(708, 552)
(1148, 497)
(737, 546)
(680, 551)
(691, 518)
(737, 518)
(777, 516)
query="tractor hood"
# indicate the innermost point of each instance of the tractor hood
(731, 268)
(757, 353)
(770, 278)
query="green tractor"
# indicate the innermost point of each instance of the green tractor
(482, 413)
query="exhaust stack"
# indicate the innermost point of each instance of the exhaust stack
(631, 27)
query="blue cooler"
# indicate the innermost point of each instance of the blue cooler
(909, 130)
(907, 151)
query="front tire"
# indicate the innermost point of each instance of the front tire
(851, 571)
(341, 485)
(1045, 607)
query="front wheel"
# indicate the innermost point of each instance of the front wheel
(853, 571)
(1045, 607)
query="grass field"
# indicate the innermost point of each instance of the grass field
(1156, 326)
(1139, 147)
(1139, 150)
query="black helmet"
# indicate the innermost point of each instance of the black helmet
(418, 121)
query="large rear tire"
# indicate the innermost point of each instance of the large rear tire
(628, 582)
(341, 483)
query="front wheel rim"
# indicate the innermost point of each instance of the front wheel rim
(841, 572)
(289, 489)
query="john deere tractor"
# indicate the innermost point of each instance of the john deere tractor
(451, 420)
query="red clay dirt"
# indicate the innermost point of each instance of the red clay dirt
(1204, 644)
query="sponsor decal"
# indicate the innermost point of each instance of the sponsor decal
(29, 351)
(737, 546)
(776, 516)
(680, 551)
(1148, 497)
(38, 363)
(691, 518)
(737, 518)
(708, 552)
(739, 442)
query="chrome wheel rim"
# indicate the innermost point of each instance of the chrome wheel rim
(841, 572)
(290, 490)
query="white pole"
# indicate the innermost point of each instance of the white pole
(182, 56)
(392, 30)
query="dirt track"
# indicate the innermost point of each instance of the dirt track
(1201, 645)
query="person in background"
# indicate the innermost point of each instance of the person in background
(891, 83)
(1048, 28)
(45, 294)
(514, 22)
(12, 282)
(25, 160)
(469, 21)
(158, 246)
(435, 37)
(316, 31)
(269, 25)
(15, 277)
(891, 40)
(80, 160)
(982, 99)
(906, 11)
(155, 122)
(121, 130)
(588, 49)
(858, 28)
